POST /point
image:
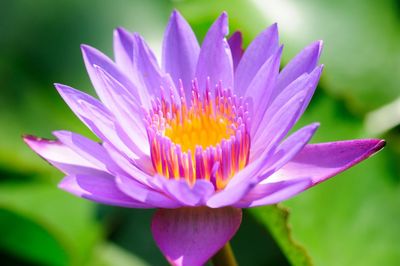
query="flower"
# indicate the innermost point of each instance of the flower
(198, 138)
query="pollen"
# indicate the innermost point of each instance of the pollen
(206, 138)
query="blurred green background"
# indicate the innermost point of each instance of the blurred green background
(353, 219)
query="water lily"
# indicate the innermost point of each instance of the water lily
(199, 137)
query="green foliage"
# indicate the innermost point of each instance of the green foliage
(276, 219)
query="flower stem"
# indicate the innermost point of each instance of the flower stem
(224, 257)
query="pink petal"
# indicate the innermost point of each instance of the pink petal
(324, 160)
(236, 44)
(85, 148)
(259, 51)
(61, 156)
(215, 58)
(191, 236)
(180, 51)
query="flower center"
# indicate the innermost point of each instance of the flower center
(207, 139)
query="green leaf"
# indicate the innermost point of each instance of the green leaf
(44, 224)
(108, 254)
(276, 220)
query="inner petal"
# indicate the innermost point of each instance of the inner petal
(206, 139)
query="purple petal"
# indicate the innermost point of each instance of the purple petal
(190, 236)
(180, 51)
(145, 194)
(324, 160)
(264, 166)
(215, 59)
(189, 196)
(85, 148)
(302, 63)
(275, 125)
(273, 192)
(99, 120)
(262, 87)
(259, 51)
(61, 156)
(128, 113)
(92, 58)
(147, 72)
(123, 50)
(99, 187)
(236, 44)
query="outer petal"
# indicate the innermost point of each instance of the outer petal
(243, 182)
(61, 156)
(180, 51)
(236, 44)
(258, 52)
(215, 59)
(273, 192)
(190, 236)
(94, 57)
(144, 194)
(324, 160)
(99, 120)
(302, 63)
(85, 175)
(275, 125)
(85, 148)
(99, 187)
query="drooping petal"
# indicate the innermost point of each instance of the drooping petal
(99, 119)
(61, 156)
(324, 160)
(99, 187)
(94, 57)
(273, 192)
(85, 148)
(304, 62)
(190, 236)
(180, 51)
(243, 182)
(215, 58)
(259, 51)
(236, 44)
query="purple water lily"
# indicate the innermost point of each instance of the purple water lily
(198, 138)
